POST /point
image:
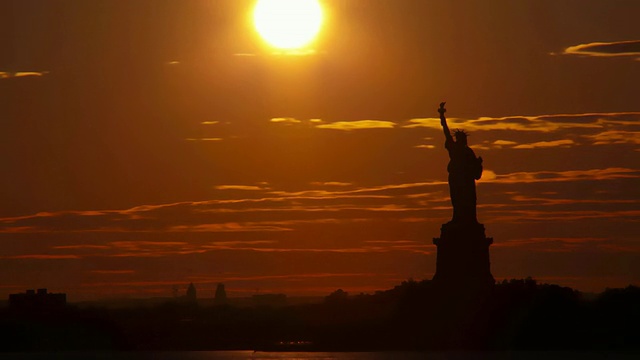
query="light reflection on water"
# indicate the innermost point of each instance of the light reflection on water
(251, 355)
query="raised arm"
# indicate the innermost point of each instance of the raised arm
(443, 122)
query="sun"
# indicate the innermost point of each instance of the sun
(288, 24)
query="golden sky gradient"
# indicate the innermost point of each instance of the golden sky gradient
(148, 144)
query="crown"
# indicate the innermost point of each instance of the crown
(458, 133)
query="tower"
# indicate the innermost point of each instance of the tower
(221, 295)
(191, 293)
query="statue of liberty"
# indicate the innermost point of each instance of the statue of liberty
(464, 169)
(463, 262)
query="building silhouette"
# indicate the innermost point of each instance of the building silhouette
(221, 295)
(38, 300)
(191, 293)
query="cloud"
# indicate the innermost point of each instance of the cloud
(522, 216)
(605, 49)
(569, 244)
(113, 272)
(330, 183)
(42, 256)
(538, 123)
(568, 175)
(18, 74)
(209, 122)
(290, 211)
(546, 144)
(402, 245)
(480, 147)
(320, 194)
(151, 249)
(239, 187)
(204, 139)
(615, 137)
(358, 125)
(623, 248)
(139, 244)
(285, 120)
(504, 142)
(540, 201)
(488, 175)
(153, 218)
(227, 227)
(425, 146)
(154, 249)
(566, 240)
(81, 246)
(141, 248)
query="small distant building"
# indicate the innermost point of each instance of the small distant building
(38, 300)
(221, 295)
(191, 293)
(272, 300)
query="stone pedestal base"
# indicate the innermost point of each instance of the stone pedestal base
(463, 257)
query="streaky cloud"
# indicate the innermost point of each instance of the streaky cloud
(541, 201)
(81, 246)
(504, 142)
(524, 216)
(284, 211)
(239, 187)
(617, 137)
(568, 175)
(537, 123)
(113, 272)
(605, 49)
(330, 183)
(227, 227)
(567, 244)
(204, 139)
(20, 74)
(358, 125)
(42, 257)
(538, 240)
(546, 144)
(286, 120)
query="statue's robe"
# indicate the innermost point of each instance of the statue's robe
(464, 168)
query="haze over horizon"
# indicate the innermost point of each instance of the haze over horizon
(156, 143)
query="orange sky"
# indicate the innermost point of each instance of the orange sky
(149, 144)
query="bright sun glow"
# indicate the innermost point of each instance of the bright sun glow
(288, 24)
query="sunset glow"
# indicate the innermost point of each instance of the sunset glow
(288, 24)
(149, 144)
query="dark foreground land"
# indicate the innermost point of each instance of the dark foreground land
(514, 315)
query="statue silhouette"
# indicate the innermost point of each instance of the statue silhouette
(463, 248)
(464, 169)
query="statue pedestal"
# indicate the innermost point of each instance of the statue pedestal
(463, 257)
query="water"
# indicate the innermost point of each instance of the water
(251, 355)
